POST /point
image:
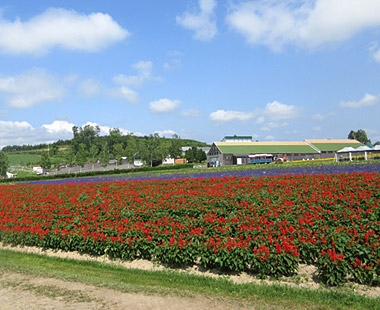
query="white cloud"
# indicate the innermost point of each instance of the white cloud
(30, 88)
(269, 138)
(124, 88)
(367, 101)
(375, 51)
(203, 22)
(90, 88)
(228, 116)
(260, 120)
(271, 125)
(168, 133)
(321, 117)
(164, 105)
(59, 127)
(123, 92)
(105, 130)
(144, 73)
(174, 61)
(304, 22)
(191, 113)
(317, 128)
(376, 55)
(59, 28)
(19, 133)
(277, 111)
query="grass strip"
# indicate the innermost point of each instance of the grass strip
(180, 284)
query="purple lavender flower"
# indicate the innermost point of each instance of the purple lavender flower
(259, 172)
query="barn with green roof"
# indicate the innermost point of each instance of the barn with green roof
(240, 153)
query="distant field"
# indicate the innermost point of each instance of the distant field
(23, 159)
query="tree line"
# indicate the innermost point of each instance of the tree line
(88, 146)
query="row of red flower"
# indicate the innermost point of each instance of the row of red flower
(267, 225)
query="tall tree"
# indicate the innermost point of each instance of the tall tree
(191, 154)
(201, 155)
(4, 163)
(175, 150)
(131, 148)
(85, 135)
(45, 162)
(93, 153)
(70, 157)
(115, 137)
(359, 135)
(118, 152)
(105, 155)
(81, 155)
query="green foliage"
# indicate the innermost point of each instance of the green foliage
(81, 155)
(195, 155)
(4, 163)
(84, 135)
(104, 155)
(45, 162)
(174, 149)
(118, 152)
(101, 173)
(359, 135)
(70, 157)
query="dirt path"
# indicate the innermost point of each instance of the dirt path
(19, 291)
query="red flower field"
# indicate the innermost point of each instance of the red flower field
(266, 225)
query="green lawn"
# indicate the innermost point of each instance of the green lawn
(180, 284)
(17, 159)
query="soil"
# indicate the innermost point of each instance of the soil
(19, 291)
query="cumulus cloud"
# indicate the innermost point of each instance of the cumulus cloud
(228, 116)
(203, 22)
(57, 27)
(367, 101)
(164, 105)
(304, 22)
(30, 88)
(278, 111)
(59, 127)
(19, 133)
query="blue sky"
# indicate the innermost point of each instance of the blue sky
(203, 69)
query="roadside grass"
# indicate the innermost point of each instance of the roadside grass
(181, 284)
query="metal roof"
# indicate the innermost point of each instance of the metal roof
(265, 147)
(333, 144)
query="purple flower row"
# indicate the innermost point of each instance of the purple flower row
(259, 172)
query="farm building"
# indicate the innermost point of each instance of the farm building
(243, 153)
(236, 138)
